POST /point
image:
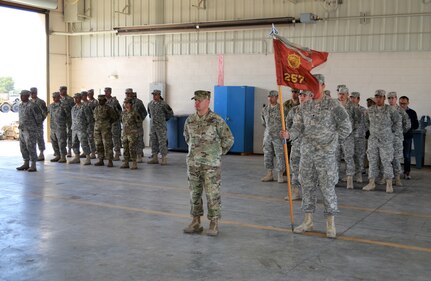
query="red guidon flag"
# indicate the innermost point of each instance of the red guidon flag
(294, 63)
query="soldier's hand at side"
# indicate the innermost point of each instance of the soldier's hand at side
(284, 134)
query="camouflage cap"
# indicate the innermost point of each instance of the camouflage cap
(77, 95)
(84, 93)
(63, 88)
(91, 91)
(109, 89)
(380, 93)
(56, 94)
(327, 93)
(33, 89)
(156, 92)
(273, 93)
(101, 97)
(201, 95)
(392, 94)
(129, 91)
(320, 78)
(355, 95)
(340, 86)
(25, 93)
(307, 93)
(295, 90)
(343, 90)
(370, 99)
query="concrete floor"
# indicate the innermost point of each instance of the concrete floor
(74, 222)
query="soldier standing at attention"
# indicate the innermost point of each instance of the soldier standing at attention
(138, 107)
(104, 117)
(159, 112)
(359, 136)
(208, 137)
(131, 123)
(116, 126)
(384, 123)
(321, 122)
(82, 117)
(288, 105)
(68, 104)
(408, 136)
(59, 115)
(30, 117)
(90, 127)
(44, 110)
(91, 100)
(399, 138)
(272, 145)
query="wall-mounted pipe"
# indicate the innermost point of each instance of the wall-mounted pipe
(83, 33)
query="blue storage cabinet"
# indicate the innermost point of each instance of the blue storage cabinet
(235, 104)
(176, 139)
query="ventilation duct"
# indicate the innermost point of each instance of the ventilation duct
(42, 4)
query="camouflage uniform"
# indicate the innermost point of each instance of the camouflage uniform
(295, 151)
(82, 117)
(90, 128)
(132, 122)
(288, 105)
(272, 143)
(68, 103)
(30, 118)
(139, 107)
(59, 115)
(44, 111)
(116, 126)
(359, 137)
(159, 112)
(384, 123)
(104, 117)
(399, 138)
(208, 137)
(320, 124)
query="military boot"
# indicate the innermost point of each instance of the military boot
(83, 155)
(330, 227)
(69, 153)
(381, 181)
(194, 226)
(164, 161)
(87, 160)
(99, 163)
(32, 167)
(55, 159)
(370, 186)
(296, 194)
(41, 157)
(306, 225)
(389, 188)
(280, 177)
(349, 182)
(398, 180)
(358, 177)
(134, 165)
(75, 160)
(93, 155)
(154, 160)
(62, 159)
(117, 156)
(213, 228)
(125, 164)
(268, 176)
(23, 167)
(110, 164)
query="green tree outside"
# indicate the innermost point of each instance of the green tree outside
(6, 84)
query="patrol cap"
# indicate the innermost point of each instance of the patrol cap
(327, 93)
(129, 90)
(25, 93)
(273, 93)
(101, 97)
(340, 86)
(355, 95)
(343, 90)
(33, 89)
(84, 93)
(109, 89)
(295, 90)
(55, 94)
(380, 93)
(77, 95)
(320, 78)
(307, 93)
(392, 94)
(201, 95)
(91, 91)
(370, 99)
(156, 92)
(63, 88)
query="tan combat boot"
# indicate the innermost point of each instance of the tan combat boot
(116, 156)
(280, 177)
(154, 160)
(330, 227)
(99, 163)
(87, 160)
(134, 165)
(32, 167)
(305, 226)
(194, 226)
(349, 182)
(398, 180)
(358, 177)
(125, 164)
(93, 155)
(23, 167)
(55, 159)
(389, 188)
(75, 160)
(370, 186)
(268, 177)
(110, 164)
(164, 161)
(62, 159)
(296, 194)
(41, 157)
(381, 181)
(213, 228)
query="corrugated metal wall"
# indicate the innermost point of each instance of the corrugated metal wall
(340, 31)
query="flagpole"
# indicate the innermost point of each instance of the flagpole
(286, 158)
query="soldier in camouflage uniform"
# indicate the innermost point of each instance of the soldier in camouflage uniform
(159, 112)
(321, 122)
(272, 144)
(208, 137)
(44, 110)
(347, 145)
(131, 124)
(104, 116)
(82, 117)
(68, 104)
(90, 127)
(30, 118)
(116, 126)
(359, 137)
(384, 123)
(92, 102)
(138, 107)
(288, 105)
(59, 114)
(399, 138)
